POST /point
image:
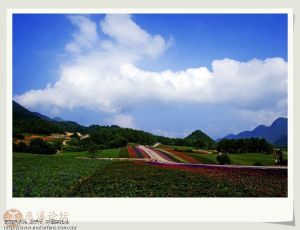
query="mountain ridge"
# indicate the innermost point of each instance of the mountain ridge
(274, 133)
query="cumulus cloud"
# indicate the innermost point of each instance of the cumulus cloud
(86, 36)
(122, 120)
(167, 133)
(103, 75)
(129, 35)
(262, 116)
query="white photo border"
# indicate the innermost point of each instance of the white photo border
(158, 209)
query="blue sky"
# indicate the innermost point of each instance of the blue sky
(167, 74)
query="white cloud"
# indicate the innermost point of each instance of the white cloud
(102, 74)
(86, 36)
(122, 120)
(262, 116)
(129, 35)
(174, 134)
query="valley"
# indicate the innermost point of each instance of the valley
(57, 158)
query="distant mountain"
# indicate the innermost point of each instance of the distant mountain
(199, 136)
(275, 133)
(283, 141)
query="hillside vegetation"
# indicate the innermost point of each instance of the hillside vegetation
(25, 121)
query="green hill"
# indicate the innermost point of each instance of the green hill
(200, 139)
(25, 121)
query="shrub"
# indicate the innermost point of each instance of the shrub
(39, 146)
(278, 155)
(75, 136)
(124, 153)
(257, 163)
(21, 147)
(18, 136)
(117, 142)
(223, 158)
(92, 151)
(57, 145)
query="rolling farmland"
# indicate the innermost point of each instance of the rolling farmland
(143, 171)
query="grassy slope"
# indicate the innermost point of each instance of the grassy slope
(107, 153)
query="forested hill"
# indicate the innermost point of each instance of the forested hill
(200, 139)
(25, 121)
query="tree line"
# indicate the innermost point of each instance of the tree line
(37, 146)
(245, 145)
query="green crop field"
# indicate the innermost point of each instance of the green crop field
(110, 153)
(175, 147)
(49, 176)
(106, 153)
(205, 158)
(252, 159)
(64, 175)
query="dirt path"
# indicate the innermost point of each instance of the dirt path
(65, 141)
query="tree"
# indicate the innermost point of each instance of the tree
(75, 136)
(246, 145)
(92, 150)
(57, 145)
(21, 147)
(223, 158)
(39, 146)
(278, 156)
(200, 144)
(117, 142)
